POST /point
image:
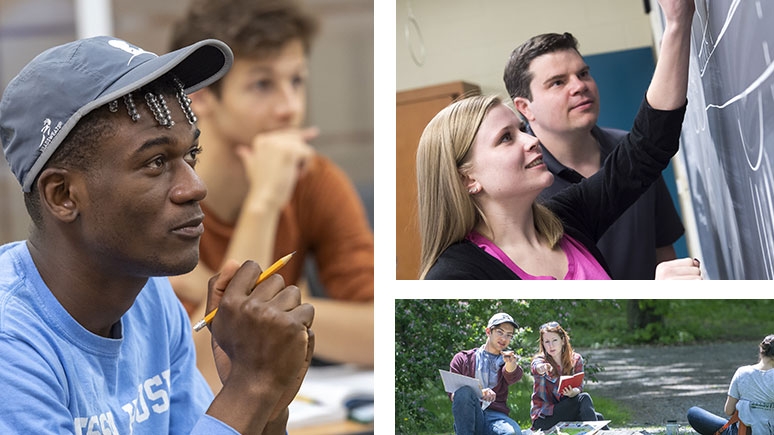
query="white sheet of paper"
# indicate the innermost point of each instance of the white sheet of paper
(325, 389)
(454, 381)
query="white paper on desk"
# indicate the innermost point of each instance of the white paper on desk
(302, 413)
(329, 387)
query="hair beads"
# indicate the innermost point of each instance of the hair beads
(159, 109)
(185, 102)
(130, 107)
(157, 105)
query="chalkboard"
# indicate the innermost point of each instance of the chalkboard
(728, 137)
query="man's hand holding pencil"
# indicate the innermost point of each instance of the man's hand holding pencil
(263, 343)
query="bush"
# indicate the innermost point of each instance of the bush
(428, 332)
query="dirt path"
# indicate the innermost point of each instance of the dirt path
(660, 383)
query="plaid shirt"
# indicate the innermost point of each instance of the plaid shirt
(545, 393)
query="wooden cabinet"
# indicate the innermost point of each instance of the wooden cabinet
(415, 108)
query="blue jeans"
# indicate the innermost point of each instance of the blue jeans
(470, 419)
(707, 423)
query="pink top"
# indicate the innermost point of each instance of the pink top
(580, 263)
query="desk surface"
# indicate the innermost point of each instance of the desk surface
(325, 390)
(338, 428)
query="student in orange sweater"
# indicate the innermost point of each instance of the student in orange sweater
(269, 192)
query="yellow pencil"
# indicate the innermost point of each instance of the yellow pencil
(265, 274)
(306, 399)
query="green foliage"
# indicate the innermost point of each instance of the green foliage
(684, 322)
(429, 332)
(427, 335)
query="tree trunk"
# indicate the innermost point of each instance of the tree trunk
(641, 313)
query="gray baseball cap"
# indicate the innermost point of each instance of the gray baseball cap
(501, 318)
(43, 103)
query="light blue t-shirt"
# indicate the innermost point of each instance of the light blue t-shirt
(754, 389)
(57, 377)
(488, 367)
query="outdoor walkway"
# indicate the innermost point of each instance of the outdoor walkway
(660, 383)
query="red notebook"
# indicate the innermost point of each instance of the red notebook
(573, 381)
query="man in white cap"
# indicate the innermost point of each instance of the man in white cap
(102, 139)
(486, 412)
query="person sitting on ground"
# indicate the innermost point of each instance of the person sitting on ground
(751, 394)
(102, 138)
(555, 359)
(496, 368)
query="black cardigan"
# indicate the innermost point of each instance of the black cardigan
(588, 208)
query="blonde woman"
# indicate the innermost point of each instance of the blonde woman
(479, 175)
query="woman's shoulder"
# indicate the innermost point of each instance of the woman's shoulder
(755, 368)
(465, 260)
(745, 369)
(745, 374)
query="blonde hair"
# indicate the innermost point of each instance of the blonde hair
(447, 212)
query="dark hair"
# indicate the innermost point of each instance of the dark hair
(81, 145)
(252, 28)
(566, 363)
(767, 346)
(517, 75)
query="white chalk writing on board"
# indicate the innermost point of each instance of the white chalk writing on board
(728, 137)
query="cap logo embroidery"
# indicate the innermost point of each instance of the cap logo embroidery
(131, 49)
(47, 133)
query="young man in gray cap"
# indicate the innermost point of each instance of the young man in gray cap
(486, 412)
(102, 139)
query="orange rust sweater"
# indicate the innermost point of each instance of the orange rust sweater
(324, 217)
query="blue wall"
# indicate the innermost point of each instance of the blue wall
(623, 78)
